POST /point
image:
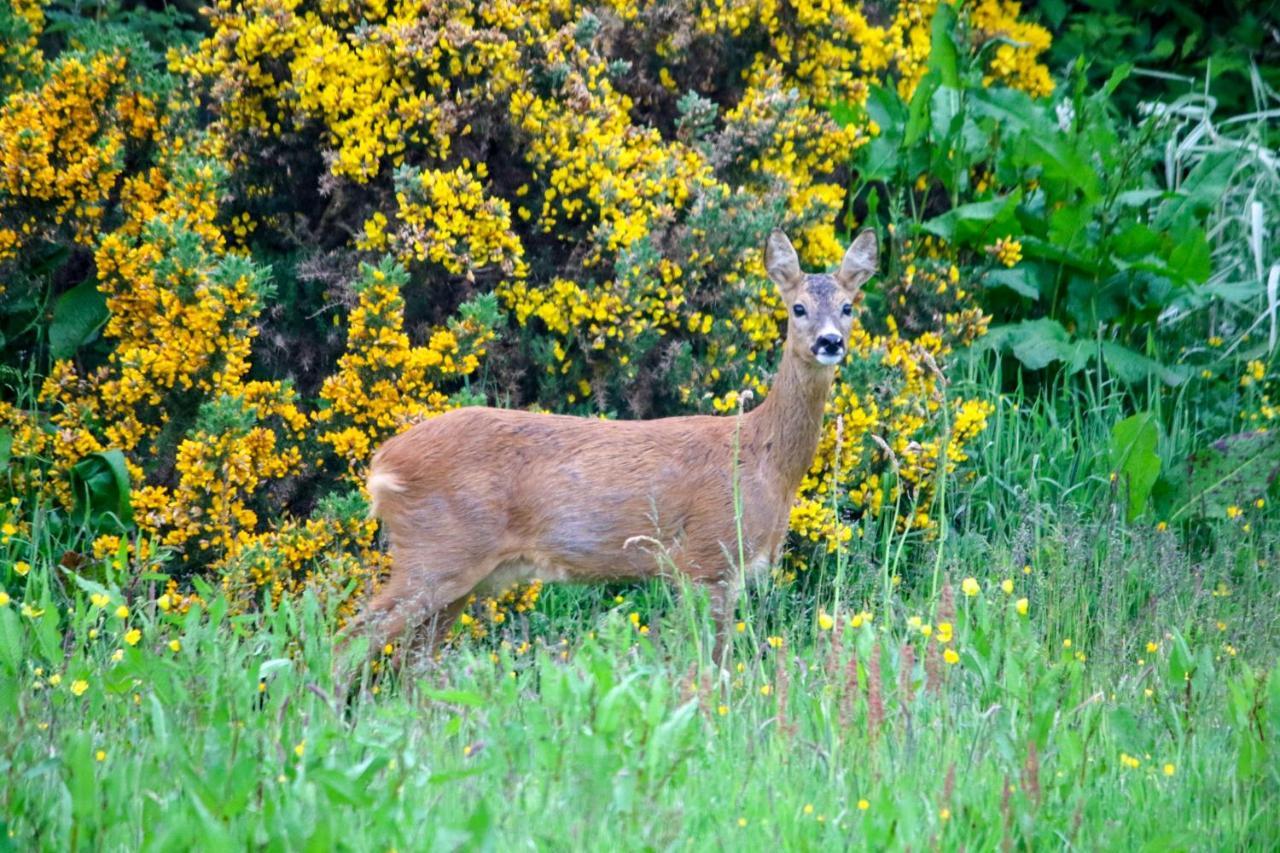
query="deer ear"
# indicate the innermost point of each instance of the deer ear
(859, 262)
(781, 262)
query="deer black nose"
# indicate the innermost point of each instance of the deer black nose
(828, 345)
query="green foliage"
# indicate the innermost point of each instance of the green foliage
(1142, 730)
(78, 314)
(100, 483)
(1107, 250)
(1176, 41)
(1133, 456)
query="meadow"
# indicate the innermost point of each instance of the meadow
(1054, 679)
(1031, 595)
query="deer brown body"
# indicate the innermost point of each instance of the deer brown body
(479, 498)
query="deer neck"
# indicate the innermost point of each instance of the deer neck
(784, 430)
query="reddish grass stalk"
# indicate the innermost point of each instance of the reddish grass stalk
(1031, 774)
(933, 668)
(875, 705)
(947, 604)
(850, 689)
(906, 668)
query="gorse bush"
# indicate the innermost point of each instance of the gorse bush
(267, 253)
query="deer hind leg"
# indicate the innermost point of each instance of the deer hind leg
(428, 586)
(434, 630)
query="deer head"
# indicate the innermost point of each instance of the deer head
(819, 305)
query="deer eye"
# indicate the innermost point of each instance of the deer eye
(798, 310)
(847, 310)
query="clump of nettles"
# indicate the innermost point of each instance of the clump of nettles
(536, 204)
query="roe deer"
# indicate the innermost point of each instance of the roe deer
(479, 498)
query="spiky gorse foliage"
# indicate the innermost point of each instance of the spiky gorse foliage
(604, 174)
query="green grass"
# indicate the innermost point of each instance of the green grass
(599, 734)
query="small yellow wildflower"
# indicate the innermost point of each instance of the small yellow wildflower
(1007, 586)
(808, 808)
(132, 636)
(722, 710)
(951, 657)
(863, 805)
(122, 612)
(1234, 512)
(99, 599)
(742, 627)
(79, 686)
(117, 656)
(1007, 251)
(175, 646)
(1169, 769)
(4, 598)
(765, 689)
(825, 622)
(944, 815)
(300, 748)
(100, 755)
(1066, 644)
(1021, 605)
(21, 568)
(1152, 647)
(55, 679)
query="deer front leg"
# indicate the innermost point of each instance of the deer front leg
(723, 592)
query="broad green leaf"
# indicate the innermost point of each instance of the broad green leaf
(100, 482)
(979, 221)
(1139, 198)
(1190, 258)
(1018, 279)
(1133, 456)
(918, 114)
(11, 645)
(77, 316)
(878, 159)
(1118, 76)
(943, 56)
(1012, 109)
(1035, 343)
(6, 447)
(1134, 367)
(1204, 186)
